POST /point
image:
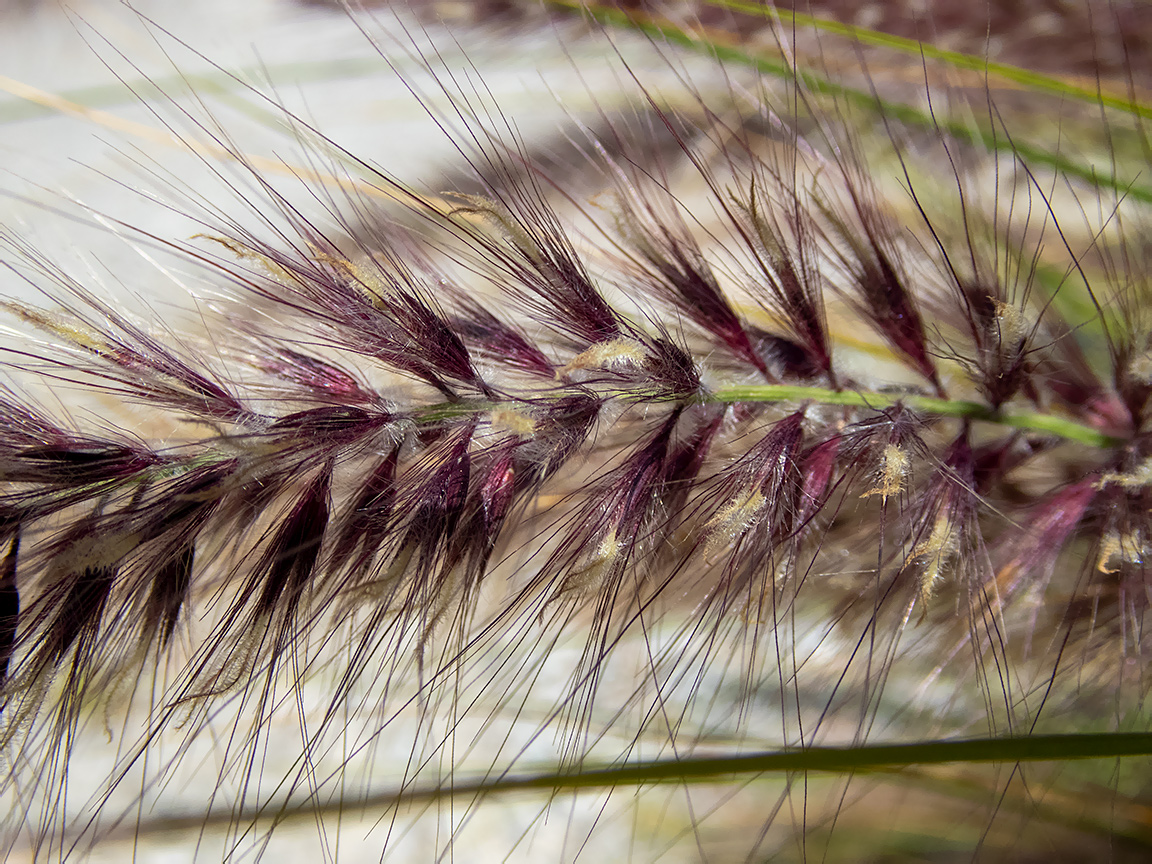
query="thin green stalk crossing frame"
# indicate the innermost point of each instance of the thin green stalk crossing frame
(1031, 421)
(1028, 421)
(716, 769)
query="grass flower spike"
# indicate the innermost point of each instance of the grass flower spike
(721, 468)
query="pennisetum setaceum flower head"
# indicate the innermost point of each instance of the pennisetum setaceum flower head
(707, 454)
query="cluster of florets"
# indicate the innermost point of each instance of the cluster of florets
(428, 416)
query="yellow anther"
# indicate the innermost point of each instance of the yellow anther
(893, 470)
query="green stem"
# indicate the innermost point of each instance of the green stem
(1028, 420)
(1031, 421)
(873, 757)
(856, 759)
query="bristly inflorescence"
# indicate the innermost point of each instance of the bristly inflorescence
(501, 415)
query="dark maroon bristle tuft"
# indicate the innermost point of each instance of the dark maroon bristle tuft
(879, 291)
(1026, 558)
(499, 341)
(322, 379)
(369, 516)
(288, 563)
(171, 580)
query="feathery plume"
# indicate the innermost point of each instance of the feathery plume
(769, 459)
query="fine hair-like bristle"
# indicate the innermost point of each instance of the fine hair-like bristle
(751, 434)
